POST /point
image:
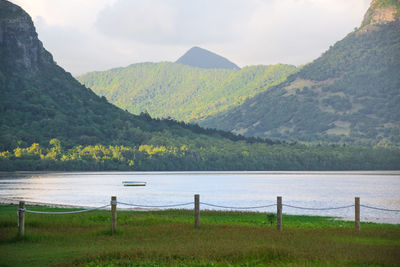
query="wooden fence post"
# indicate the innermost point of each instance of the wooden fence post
(113, 214)
(197, 211)
(21, 218)
(279, 213)
(357, 213)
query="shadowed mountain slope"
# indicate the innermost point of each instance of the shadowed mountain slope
(349, 94)
(40, 101)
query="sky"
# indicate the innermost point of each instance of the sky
(95, 35)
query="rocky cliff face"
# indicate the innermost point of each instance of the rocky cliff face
(20, 46)
(380, 12)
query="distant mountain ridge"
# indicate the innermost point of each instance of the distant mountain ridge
(201, 58)
(349, 94)
(182, 92)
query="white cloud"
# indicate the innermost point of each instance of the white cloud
(295, 31)
(174, 21)
(99, 34)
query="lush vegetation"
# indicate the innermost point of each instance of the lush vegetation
(48, 121)
(349, 94)
(199, 153)
(182, 92)
(40, 101)
(161, 238)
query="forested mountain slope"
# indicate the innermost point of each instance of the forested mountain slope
(49, 121)
(40, 101)
(182, 92)
(351, 93)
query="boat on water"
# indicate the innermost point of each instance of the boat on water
(133, 183)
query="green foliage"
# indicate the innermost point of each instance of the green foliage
(199, 153)
(349, 94)
(182, 92)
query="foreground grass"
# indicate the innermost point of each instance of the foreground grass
(160, 238)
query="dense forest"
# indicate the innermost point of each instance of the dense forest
(349, 94)
(40, 101)
(199, 153)
(182, 92)
(49, 121)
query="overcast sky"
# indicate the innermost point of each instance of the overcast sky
(94, 35)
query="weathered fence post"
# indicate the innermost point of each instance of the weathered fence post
(113, 214)
(357, 213)
(279, 213)
(21, 218)
(196, 211)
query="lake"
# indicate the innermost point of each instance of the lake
(234, 189)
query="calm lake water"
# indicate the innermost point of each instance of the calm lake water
(234, 189)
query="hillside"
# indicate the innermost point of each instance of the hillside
(201, 58)
(49, 121)
(349, 94)
(182, 92)
(40, 101)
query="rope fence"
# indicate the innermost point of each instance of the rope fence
(151, 206)
(305, 208)
(113, 203)
(236, 208)
(64, 212)
(381, 209)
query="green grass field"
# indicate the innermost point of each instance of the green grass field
(168, 238)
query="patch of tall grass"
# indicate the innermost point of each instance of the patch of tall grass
(168, 237)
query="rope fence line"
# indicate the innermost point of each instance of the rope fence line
(63, 212)
(152, 206)
(113, 203)
(305, 208)
(236, 208)
(376, 208)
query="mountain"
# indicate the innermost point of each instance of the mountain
(40, 101)
(349, 94)
(49, 121)
(200, 58)
(182, 92)
(380, 12)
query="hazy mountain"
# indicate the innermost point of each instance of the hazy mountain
(351, 93)
(201, 58)
(182, 92)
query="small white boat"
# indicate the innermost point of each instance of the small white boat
(133, 183)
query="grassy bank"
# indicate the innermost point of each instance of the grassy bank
(160, 238)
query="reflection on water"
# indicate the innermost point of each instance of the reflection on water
(239, 189)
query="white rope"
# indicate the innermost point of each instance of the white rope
(63, 212)
(305, 208)
(238, 208)
(150, 206)
(375, 208)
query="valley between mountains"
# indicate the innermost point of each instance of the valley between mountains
(340, 112)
